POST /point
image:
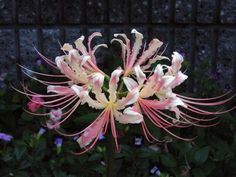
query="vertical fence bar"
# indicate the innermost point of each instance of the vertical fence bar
(215, 34)
(171, 21)
(234, 64)
(149, 20)
(39, 30)
(61, 22)
(193, 45)
(17, 39)
(107, 31)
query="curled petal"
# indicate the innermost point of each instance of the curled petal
(124, 50)
(159, 70)
(80, 46)
(59, 89)
(113, 84)
(153, 60)
(74, 56)
(83, 94)
(97, 80)
(85, 59)
(130, 83)
(93, 131)
(78, 90)
(154, 83)
(177, 60)
(175, 101)
(179, 79)
(67, 47)
(90, 38)
(65, 69)
(130, 116)
(131, 98)
(98, 46)
(141, 77)
(153, 46)
(136, 47)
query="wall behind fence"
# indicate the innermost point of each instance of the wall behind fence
(201, 30)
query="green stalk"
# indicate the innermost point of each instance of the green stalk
(110, 154)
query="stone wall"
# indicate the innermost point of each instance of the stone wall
(199, 29)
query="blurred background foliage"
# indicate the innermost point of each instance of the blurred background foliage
(33, 153)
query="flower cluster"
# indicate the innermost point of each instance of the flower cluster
(139, 91)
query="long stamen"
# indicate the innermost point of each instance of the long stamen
(48, 61)
(176, 136)
(41, 74)
(204, 99)
(209, 104)
(45, 82)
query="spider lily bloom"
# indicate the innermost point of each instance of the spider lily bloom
(40, 132)
(111, 107)
(74, 65)
(79, 62)
(130, 57)
(160, 84)
(78, 66)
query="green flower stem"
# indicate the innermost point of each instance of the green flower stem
(110, 154)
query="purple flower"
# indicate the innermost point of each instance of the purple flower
(155, 171)
(58, 142)
(138, 141)
(75, 138)
(101, 137)
(41, 131)
(5, 137)
(38, 61)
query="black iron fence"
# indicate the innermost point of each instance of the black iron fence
(201, 30)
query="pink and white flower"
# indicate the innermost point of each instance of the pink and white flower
(148, 94)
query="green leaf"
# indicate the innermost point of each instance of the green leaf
(168, 160)
(19, 152)
(88, 118)
(201, 155)
(198, 172)
(26, 116)
(95, 157)
(24, 164)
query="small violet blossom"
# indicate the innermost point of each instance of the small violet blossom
(5, 137)
(35, 103)
(155, 171)
(134, 93)
(58, 142)
(41, 132)
(138, 141)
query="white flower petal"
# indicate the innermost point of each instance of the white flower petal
(153, 46)
(136, 47)
(129, 116)
(131, 98)
(80, 46)
(67, 47)
(113, 84)
(130, 83)
(141, 77)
